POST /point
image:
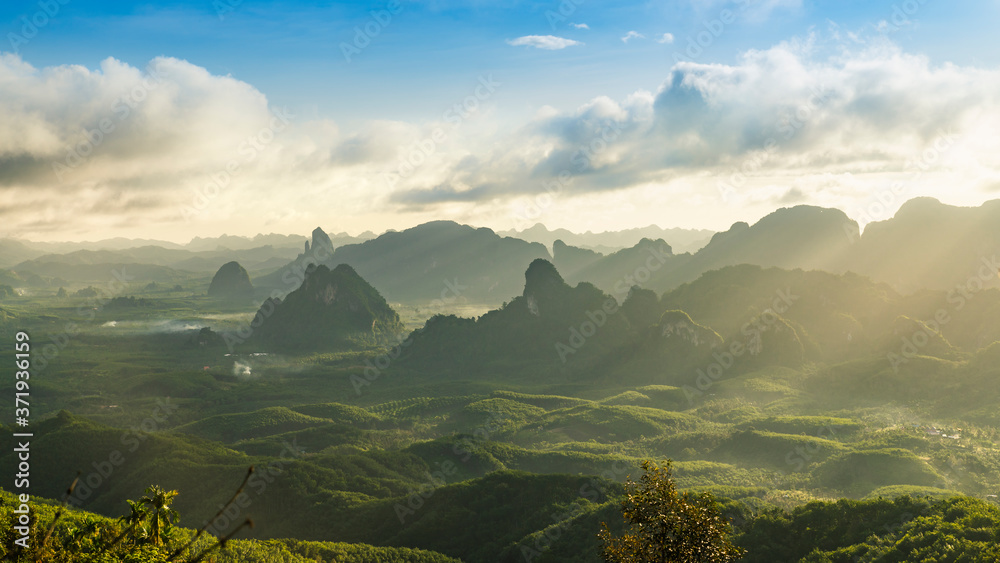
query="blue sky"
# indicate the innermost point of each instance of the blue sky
(356, 121)
(291, 50)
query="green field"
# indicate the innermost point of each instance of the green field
(361, 447)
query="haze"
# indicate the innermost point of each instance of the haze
(647, 110)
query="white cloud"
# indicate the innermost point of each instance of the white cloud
(579, 25)
(844, 125)
(632, 35)
(548, 42)
(667, 38)
(124, 147)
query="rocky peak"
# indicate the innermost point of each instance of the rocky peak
(231, 281)
(542, 279)
(319, 237)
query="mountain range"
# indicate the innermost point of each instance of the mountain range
(683, 240)
(198, 255)
(435, 260)
(926, 245)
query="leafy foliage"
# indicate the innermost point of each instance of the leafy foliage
(664, 525)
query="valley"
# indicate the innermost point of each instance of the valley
(491, 409)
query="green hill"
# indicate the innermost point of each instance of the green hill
(265, 422)
(231, 282)
(553, 327)
(78, 530)
(330, 310)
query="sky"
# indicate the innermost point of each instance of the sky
(183, 119)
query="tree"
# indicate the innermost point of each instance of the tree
(663, 525)
(137, 515)
(161, 516)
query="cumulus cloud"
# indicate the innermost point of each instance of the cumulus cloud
(120, 146)
(548, 42)
(632, 35)
(667, 38)
(68, 113)
(814, 120)
(803, 117)
(579, 25)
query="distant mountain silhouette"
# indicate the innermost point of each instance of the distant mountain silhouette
(730, 321)
(231, 242)
(649, 264)
(799, 237)
(320, 238)
(684, 240)
(428, 262)
(551, 325)
(231, 282)
(204, 261)
(331, 309)
(432, 260)
(642, 308)
(928, 244)
(42, 273)
(14, 251)
(804, 237)
(572, 260)
(676, 331)
(837, 316)
(201, 255)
